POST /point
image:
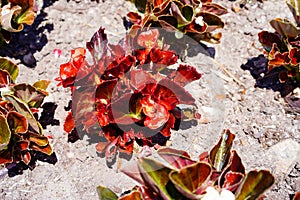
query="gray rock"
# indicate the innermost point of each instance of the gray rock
(284, 155)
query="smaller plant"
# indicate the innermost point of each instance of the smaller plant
(21, 134)
(13, 15)
(196, 18)
(218, 174)
(283, 46)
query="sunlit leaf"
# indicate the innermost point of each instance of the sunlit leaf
(23, 109)
(255, 183)
(9, 66)
(5, 133)
(220, 153)
(17, 122)
(29, 94)
(190, 179)
(42, 85)
(155, 176)
(106, 194)
(45, 149)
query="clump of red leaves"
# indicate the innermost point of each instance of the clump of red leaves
(126, 94)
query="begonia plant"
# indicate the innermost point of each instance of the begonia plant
(13, 15)
(218, 174)
(127, 93)
(197, 19)
(21, 134)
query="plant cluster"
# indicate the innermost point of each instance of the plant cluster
(218, 174)
(13, 15)
(283, 46)
(127, 94)
(21, 134)
(194, 18)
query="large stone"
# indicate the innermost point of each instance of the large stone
(284, 155)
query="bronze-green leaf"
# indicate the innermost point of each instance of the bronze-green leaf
(17, 122)
(220, 153)
(23, 109)
(46, 149)
(106, 194)
(5, 133)
(255, 183)
(42, 85)
(285, 27)
(29, 94)
(191, 179)
(9, 66)
(155, 176)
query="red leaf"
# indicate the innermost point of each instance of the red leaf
(26, 157)
(134, 17)
(164, 57)
(280, 59)
(170, 124)
(171, 94)
(294, 56)
(177, 158)
(69, 124)
(232, 180)
(186, 74)
(104, 90)
(119, 67)
(268, 39)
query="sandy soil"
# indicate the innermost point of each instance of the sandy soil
(267, 136)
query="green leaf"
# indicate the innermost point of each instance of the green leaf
(106, 194)
(189, 180)
(9, 66)
(285, 27)
(5, 133)
(220, 153)
(23, 109)
(17, 122)
(29, 94)
(26, 18)
(42, 85)
(155, 176)
(255, 183)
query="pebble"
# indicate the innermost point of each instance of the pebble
(284, 154)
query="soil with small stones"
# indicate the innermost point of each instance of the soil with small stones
(259, 117)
